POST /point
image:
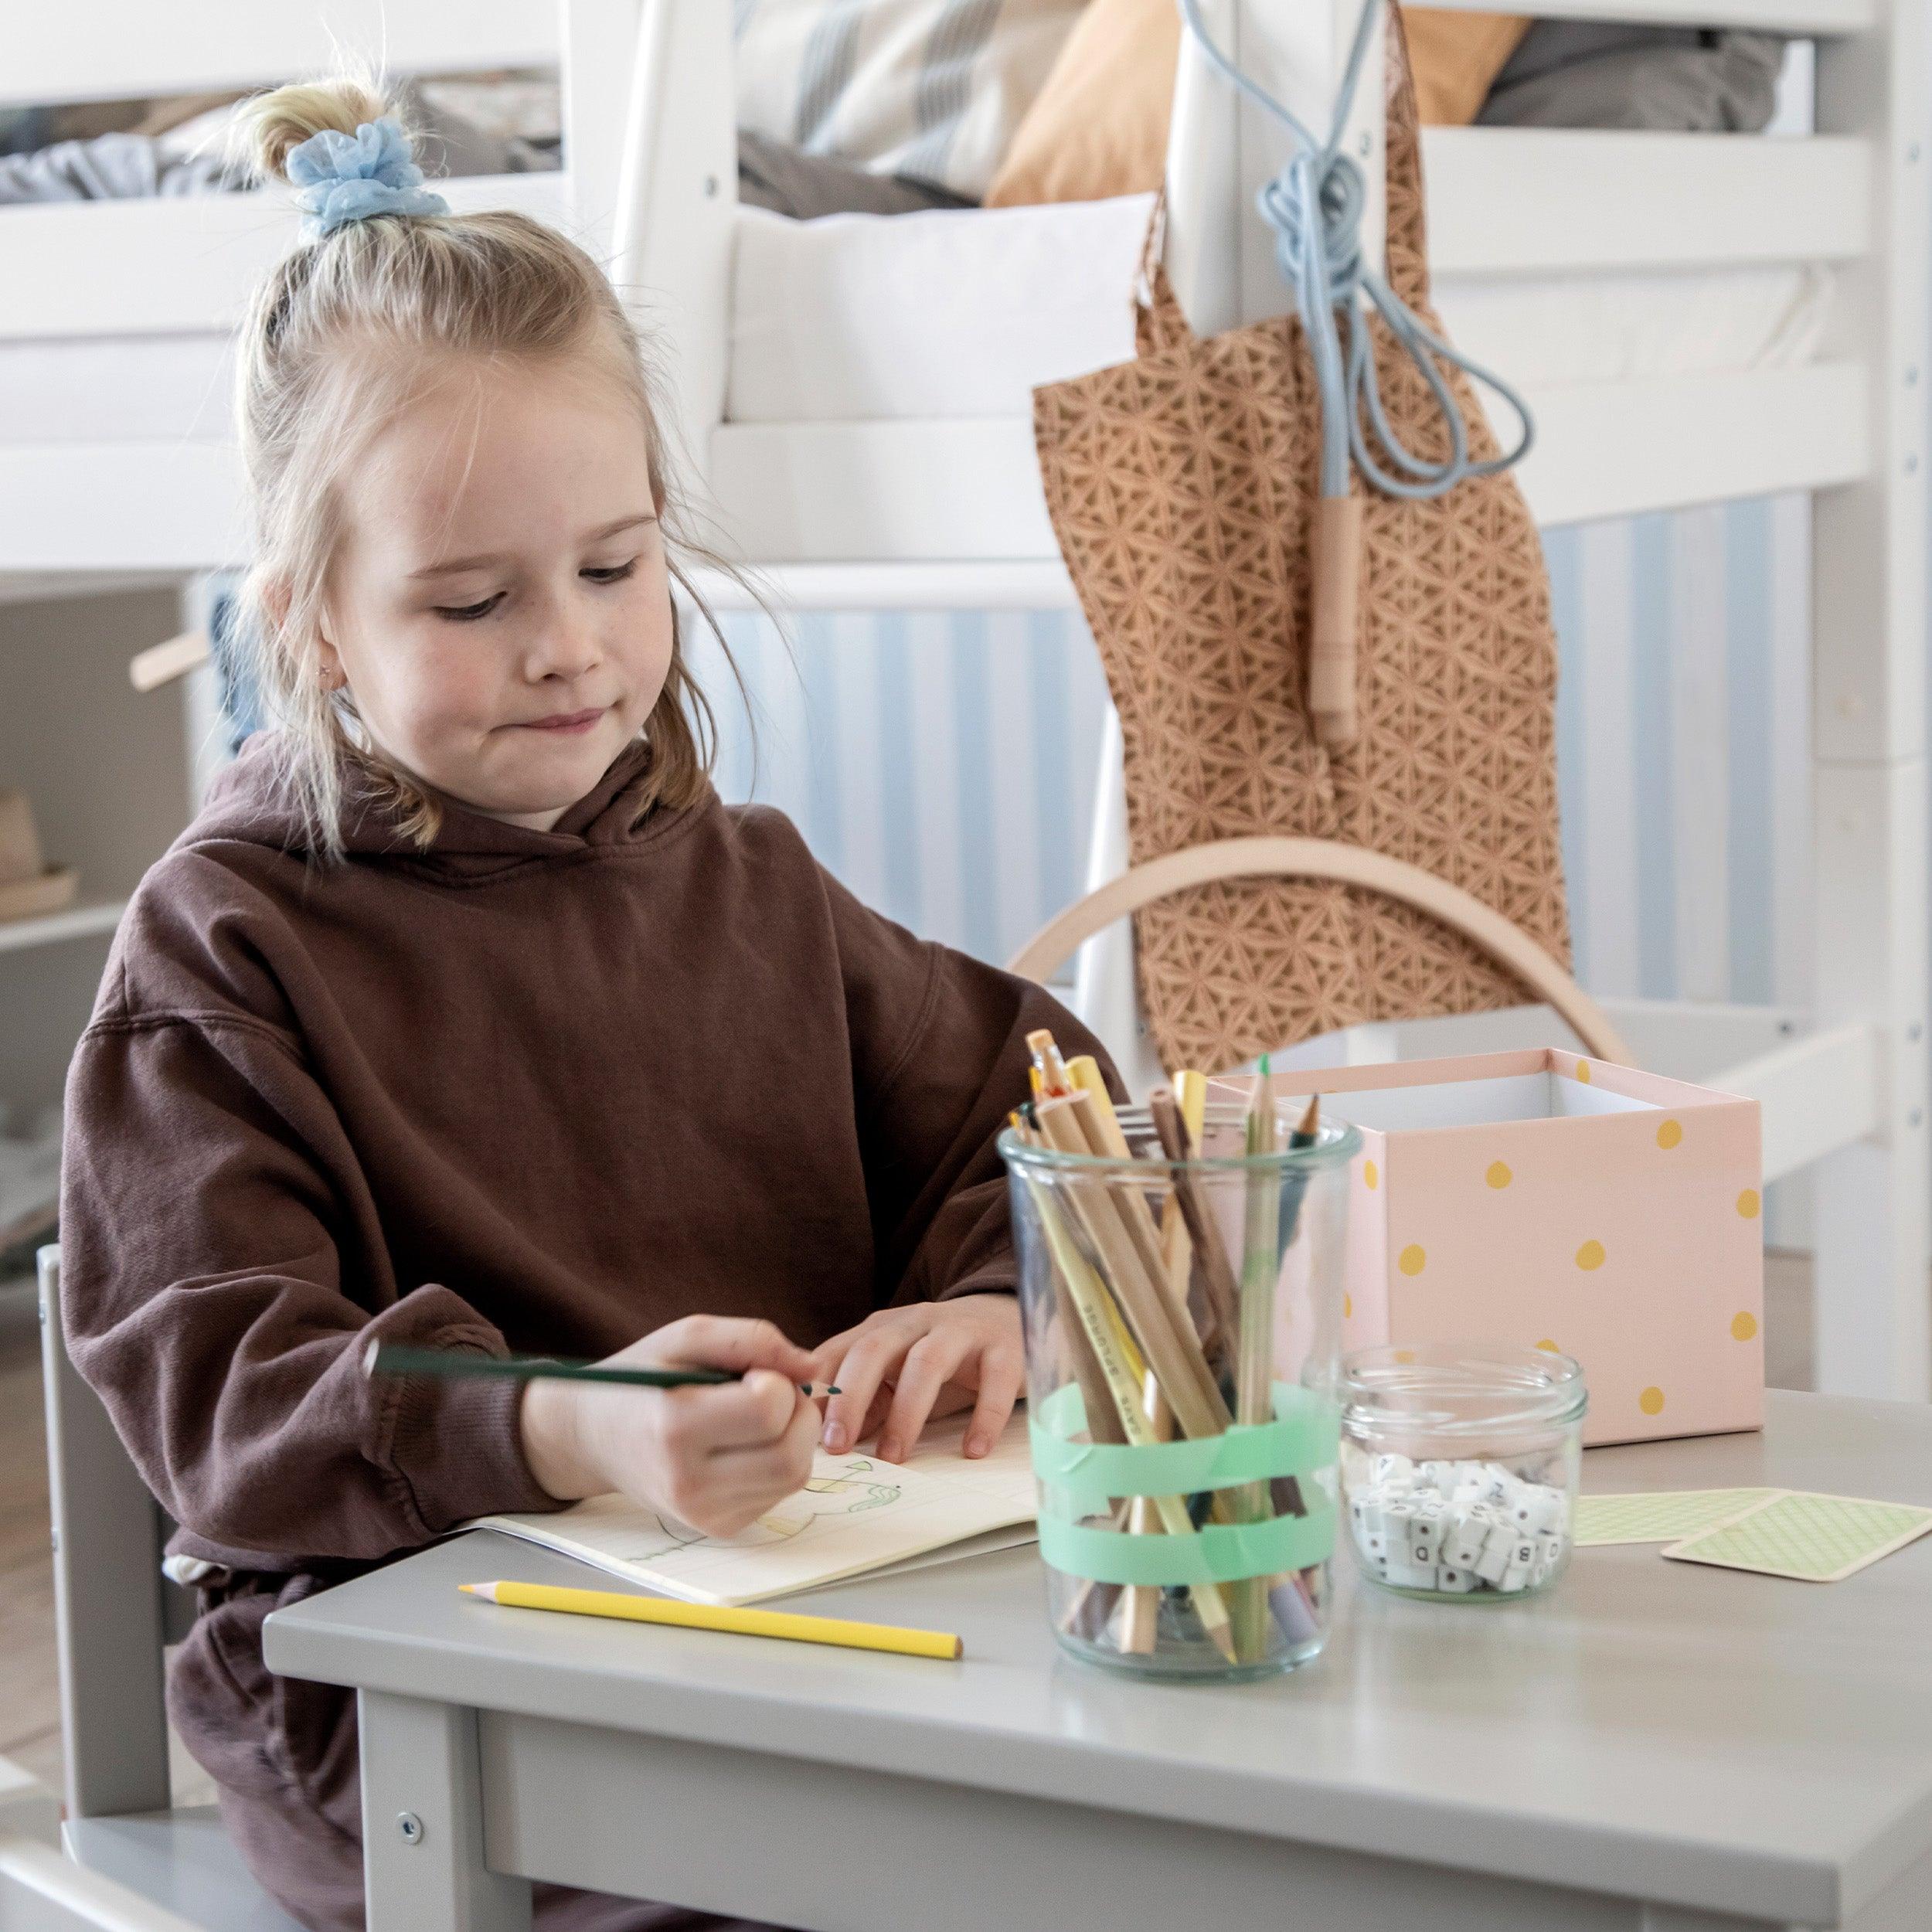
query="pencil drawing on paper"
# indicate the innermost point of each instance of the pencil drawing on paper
(792, 1517)
(854, 1514)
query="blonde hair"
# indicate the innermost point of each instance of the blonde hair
(310, 392)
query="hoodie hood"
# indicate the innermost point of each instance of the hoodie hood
(253, 800)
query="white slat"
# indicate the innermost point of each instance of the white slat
(183, 263)
(107, 50)
(1620, 449)
(1549, 201)
(1795, 17)
(966, 492)
(969, 489)
(172, 507)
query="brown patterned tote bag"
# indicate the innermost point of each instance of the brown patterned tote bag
(1183, 487)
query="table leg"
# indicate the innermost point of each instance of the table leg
(422, 1860)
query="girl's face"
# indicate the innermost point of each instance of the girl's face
(500, 607)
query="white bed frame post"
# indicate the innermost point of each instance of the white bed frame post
(597, 44)
(1219, 257)
(1873, 1227)
(677, 197)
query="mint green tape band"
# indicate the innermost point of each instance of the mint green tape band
(1304, 1438)
(1222, 1553)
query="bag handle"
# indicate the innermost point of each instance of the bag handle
(1498, 939)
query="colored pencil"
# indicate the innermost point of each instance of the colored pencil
(391, 1359)
(1115, 1382)
(1140, 1603)
(1135, 1275)
(739, 1622)
(1254, 1357)
(1125, 1374)
(1217, 1272)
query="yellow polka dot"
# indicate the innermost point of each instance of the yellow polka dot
(1668, 1134)
(1412, 1260)
(1748, 1204)
(1348, 1307)
(1651, 1402)
(1743, 1324)
(1583, 1072)
(1405, 1355)
(1591, 1255)
(1499, 1175)
(1550, 1345)
(1371, 1174)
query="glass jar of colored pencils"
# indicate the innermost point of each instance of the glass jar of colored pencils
(1181, 1282)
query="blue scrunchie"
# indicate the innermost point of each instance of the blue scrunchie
(343, 178)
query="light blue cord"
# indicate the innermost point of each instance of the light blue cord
(1315, 207)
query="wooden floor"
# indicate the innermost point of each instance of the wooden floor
(29, 1708)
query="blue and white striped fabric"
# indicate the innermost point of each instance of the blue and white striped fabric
(930, 88)
(942, 763)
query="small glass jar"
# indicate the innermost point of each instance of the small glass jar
(1459, 1467)
(1183, 1323)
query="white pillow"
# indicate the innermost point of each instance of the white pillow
(930, 88)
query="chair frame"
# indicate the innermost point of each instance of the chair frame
(114, 1614)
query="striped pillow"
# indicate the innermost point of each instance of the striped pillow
(929, 89)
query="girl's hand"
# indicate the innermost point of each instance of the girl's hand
(903, 1366)
(716, 1458)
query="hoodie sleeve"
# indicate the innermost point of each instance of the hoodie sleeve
(939, 1060)
(205, 1298)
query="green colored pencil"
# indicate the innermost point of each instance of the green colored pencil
(389, 1359)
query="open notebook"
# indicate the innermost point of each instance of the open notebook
(856, 1516)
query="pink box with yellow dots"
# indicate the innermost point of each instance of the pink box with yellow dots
(1541, 1198)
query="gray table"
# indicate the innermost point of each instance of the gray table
(1654, 1747)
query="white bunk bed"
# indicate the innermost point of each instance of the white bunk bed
(115, 463)
(856, 404)
(906, 498)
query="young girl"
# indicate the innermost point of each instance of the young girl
(465, 1015)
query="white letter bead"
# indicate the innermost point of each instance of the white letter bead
(1535, 1508)
(1494, 1561)
(1453, 1581)
(1516, 1570)
(1411, 1575)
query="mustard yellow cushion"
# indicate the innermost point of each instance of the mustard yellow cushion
(1455, 58)
(1098, 126)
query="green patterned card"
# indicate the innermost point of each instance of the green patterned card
(1818, 1540)
(1663, 1516)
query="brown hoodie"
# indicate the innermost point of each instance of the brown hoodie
(525, 1090)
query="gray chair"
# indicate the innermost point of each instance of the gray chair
(42, 1890)
(114, 1612)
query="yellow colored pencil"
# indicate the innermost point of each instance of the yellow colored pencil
(1125, 1373)
(739, 1622)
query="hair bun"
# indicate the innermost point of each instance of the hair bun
(268, 126)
